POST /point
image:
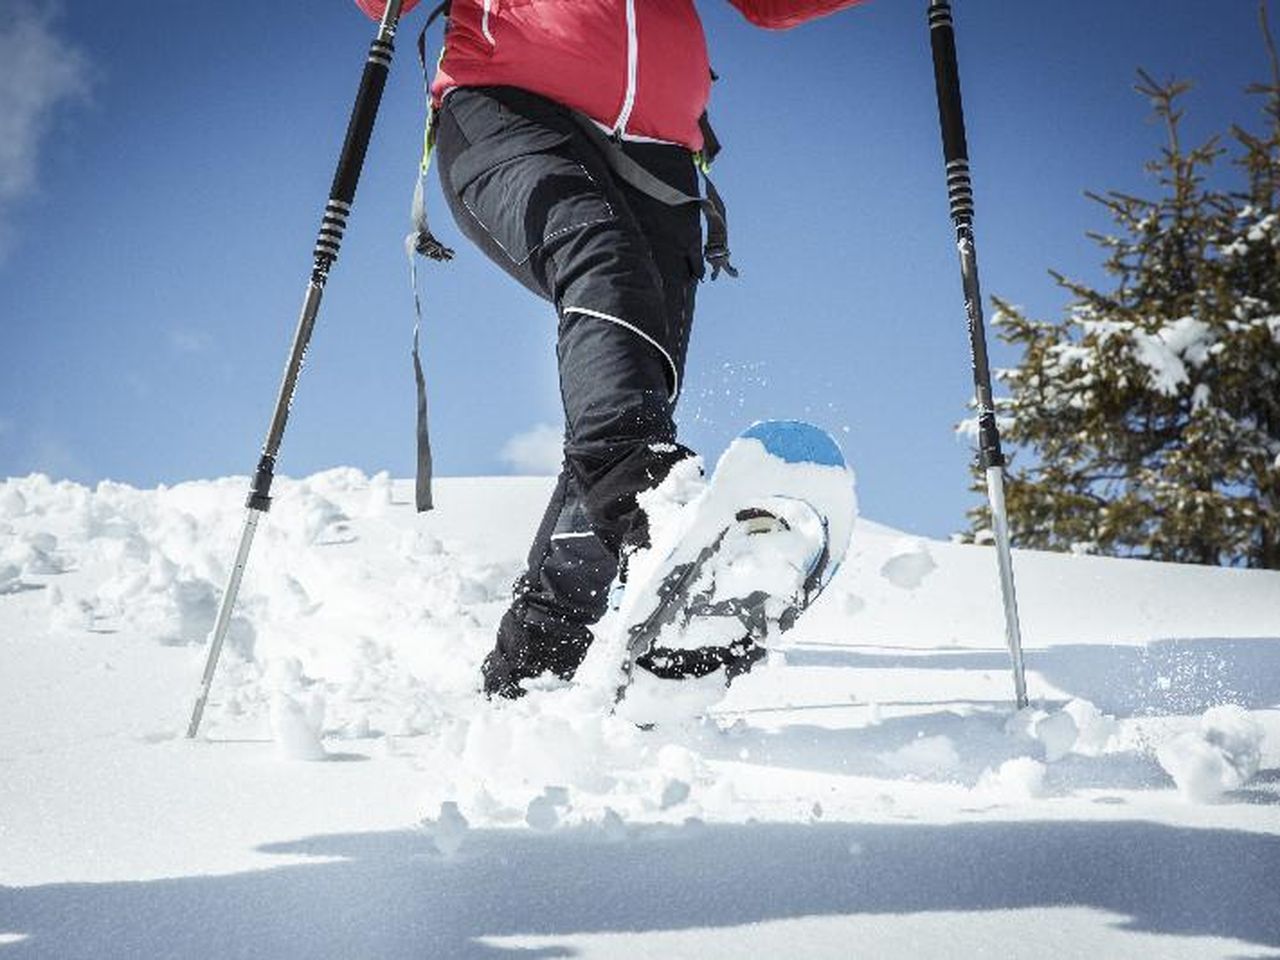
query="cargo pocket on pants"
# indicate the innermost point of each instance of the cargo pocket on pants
(526, 189)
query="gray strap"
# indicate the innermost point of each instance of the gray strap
(422, 491)
(716, 250)
(421, 241)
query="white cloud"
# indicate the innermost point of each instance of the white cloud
(39, 71)
(537, 451)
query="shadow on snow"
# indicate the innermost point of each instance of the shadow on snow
(391, 895)
(1180, 676)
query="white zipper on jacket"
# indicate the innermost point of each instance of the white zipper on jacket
(633, 57)
(484, 23)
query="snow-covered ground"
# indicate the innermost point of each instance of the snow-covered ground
(868, 792)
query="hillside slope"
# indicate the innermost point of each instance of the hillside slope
(868, 791)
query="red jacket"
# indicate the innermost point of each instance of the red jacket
(639, 67)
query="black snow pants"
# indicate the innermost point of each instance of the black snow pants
(528, 186)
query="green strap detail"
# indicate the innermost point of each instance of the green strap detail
(422, 239)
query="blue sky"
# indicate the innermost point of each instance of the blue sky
(165, 167)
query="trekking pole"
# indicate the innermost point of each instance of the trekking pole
(960, 191)
(332, 227)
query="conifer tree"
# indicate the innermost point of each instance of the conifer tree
(1147, 419)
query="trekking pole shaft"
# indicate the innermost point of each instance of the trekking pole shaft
(224, 618)
(328, 244)
(332, 228)
(1004, 562)
(946, 73)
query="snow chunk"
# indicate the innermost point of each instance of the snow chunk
(1221, 755)
(910, 563)
(679, 768)
(296, 733)
(12, 503)
(653, 700)
(1021, 778)
(1079, 727)
(543, 812)
(448, 831)
(308, 517)
(1095, 729)
(613, 828)
(1058, 733)
(674, 793)
(34, 553)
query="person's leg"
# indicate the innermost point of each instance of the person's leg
(535, 195)
(563, 590)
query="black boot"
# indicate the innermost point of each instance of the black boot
(530, 644)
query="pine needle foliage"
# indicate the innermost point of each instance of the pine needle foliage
(1147, 419)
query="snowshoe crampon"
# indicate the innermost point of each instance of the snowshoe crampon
(745, 560)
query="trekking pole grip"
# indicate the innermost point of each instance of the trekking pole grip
(946, 76)
(356, 144)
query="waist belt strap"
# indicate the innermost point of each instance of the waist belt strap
(716, 251)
